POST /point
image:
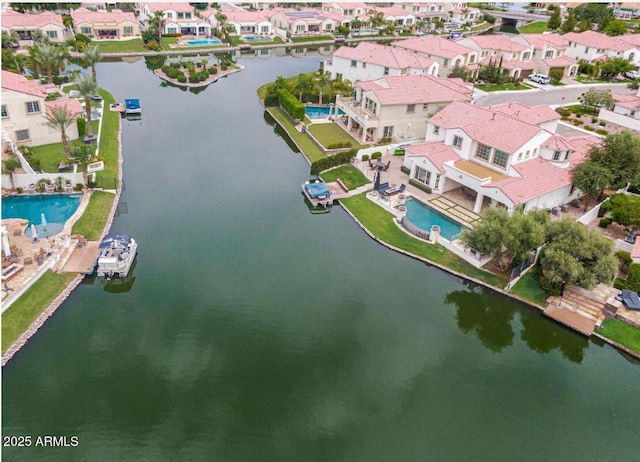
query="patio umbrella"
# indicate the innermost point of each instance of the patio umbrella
(379, 164)
(5, 242)
(34, 232)
(376, 184)
(44, 221)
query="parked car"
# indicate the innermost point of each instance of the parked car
(632, 75)
(540, 78)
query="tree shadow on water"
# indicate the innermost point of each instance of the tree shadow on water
(543, 336)
(481, 312)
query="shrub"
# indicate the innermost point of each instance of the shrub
(565, 118)
(365, 156)
(405, 170)
(551, 288)
(290, 103)
(82, 127)
(421, 186)
(619, 283)
(625, 260)
(182, 78)
(589, 127)
(376, 155)
(563, 112)
(177, 34)
(602, 132)
(224, 66)
(602, 123)
(385, 140)
(594, 120)
(577, 122)
(604, 222)
(153, 45)
(333, 161)
(19, 190)
(633, 277)
(213, 70)
(194, 78)
(338, 145)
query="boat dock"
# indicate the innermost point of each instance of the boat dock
(582, 309)
(117, 107)
(83, 259)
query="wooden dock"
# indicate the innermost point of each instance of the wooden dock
(83, 259)
(117, 107)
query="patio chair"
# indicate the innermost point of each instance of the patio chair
(28, 260)
(386, 167)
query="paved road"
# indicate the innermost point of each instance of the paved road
(548, 95)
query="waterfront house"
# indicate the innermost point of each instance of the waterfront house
(179, 18)
(506, 156)
(24, 24)
(594, 46)
(304, 23)
(24, 108)
(347, 9)
(395, 15)
(102, 25)
(447, 53)
(396, 108)
(515, 58)
(243, 22)
(369, 61)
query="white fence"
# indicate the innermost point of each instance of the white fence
(590, 215)
(23, 180)
(619, 119)
(465, 253)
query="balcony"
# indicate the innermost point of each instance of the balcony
(356, 111)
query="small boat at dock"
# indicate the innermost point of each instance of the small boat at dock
(117, 253)
(317, 193)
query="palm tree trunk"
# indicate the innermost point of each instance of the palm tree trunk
(93, 74)
(49, 74)
(320, 95)
(65, 144)
(87, 108)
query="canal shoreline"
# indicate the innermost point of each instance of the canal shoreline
(68, 290)
(447, 269)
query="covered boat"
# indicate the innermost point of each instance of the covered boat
(117, 252)
(317, 193)
(132, 106)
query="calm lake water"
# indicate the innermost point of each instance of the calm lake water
(254, 330)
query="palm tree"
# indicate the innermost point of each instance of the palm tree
(83, 155)
(9, 166)
(222, 19)
(87, 88)
(49, 57)
(60, 118)
(92, 54)
(322, 81)
(156, 23)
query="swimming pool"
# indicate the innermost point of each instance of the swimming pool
(256, 38)
(57, 209)
(195, 43)
(424, 216)
(319, 112)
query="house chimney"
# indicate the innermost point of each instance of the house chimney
(493, 116)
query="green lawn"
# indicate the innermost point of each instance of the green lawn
(617, 331)
(51, 154)
(380, 223)
(311, 151)
(24, 310)
(117, 46)
(108, 178)
(537, 27)
(311, 39)
(503, 86)
(528, 287)
(351, 176)
(94, 219)
(327, 134)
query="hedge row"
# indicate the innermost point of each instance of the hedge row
(420, 186)
(291, 104)
(333, 161)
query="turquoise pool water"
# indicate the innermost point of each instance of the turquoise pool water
(256, 38)
(195, 43)
(319, 112)
(424, 216)
(57, 209)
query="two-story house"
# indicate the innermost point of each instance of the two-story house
(24, 108)
(397, 108)
(102, 25)
(347, 9)
(447, 53)
(179, 18)
(397, 16)
(504, 156)
(515, 58)
(304, 23)
(24, 24)
(243, 22)
(549, 53)
(593, 46)
(369, 61)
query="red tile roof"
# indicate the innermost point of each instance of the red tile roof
(13, 19)
(72, 104)
(540, 41)
(497, 42)
(397, 58)
(597, 40)
(531, 114)
(412, 89)
(627, 101)
(635, 251)
(437, 152)
(17, 82)
(113, 17)
(434, 45)
(182, 7)
(559, 143)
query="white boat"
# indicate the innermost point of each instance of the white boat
(316, 191)
(132, 106)
(117, 252)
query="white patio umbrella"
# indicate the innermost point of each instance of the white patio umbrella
(34, 232)
(6, 247)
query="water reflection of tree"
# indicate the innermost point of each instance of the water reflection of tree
(542, 336)
(482, 313)
(279, 131)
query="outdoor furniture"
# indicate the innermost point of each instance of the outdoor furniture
(575, 203)
(386, 167)
(631, 300)
(11, 271)
(555, 210)
(395, 190)
(28, 261)
(564, 207)
(371, 166)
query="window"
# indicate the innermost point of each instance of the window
(519, 156)
(483, 152)
(548, 54)
(353, 63)
(528, 154)
(556, 155)
(264, 29)
(446, 62)
(300, 28)
(388, 131)
(437, 181)
(187, 16)
(172, 30)
(436, 129)
(425, 107)
(328, 27)
(386, 71)
(85, 30)
(364, 65)
(457, 141)
(370, 105)
(422, 175)
(526, 56)
(180, 15)
(22, 135)
(128, 30)
(566, 155)
(411, 108)
(4, 111)
(338, 76)
(586, 50)
(52, 34)
(500, 159)
(169, 15)
(33, 107)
